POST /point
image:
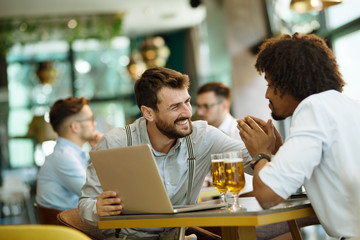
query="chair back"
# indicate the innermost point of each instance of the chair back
(71, 218)
(38, 232)
(46, 215)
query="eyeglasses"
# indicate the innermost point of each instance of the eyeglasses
(207, 106)
(86, 119)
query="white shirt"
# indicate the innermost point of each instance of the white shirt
(322, 152)
(229, 127)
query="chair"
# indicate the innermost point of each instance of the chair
(46, 215)
(39, 232)
(71, 218)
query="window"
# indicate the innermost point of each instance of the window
(347, 55)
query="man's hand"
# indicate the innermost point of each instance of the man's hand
(262, 124)
(96, 139)
(108, 204)
(258, 137)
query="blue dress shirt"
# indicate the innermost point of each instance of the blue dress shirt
(61, 177)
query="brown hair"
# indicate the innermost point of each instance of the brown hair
(220, 90)
(65, 108)
(152, 80)
(299, 65)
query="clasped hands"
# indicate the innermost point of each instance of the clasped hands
(259, 136)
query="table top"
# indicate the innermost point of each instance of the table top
(254, 215)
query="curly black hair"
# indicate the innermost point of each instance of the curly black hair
(299, 65)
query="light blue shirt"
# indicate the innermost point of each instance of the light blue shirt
(172, 166)
(61, 177)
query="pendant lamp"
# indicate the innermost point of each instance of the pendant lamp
(302, 6)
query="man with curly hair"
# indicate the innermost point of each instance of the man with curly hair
(304, 83)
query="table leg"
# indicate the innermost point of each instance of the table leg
(181, 233)
(247, 233)
(294, 229)
(228, 233)
(241, 233)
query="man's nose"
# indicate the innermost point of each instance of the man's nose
(200, 111)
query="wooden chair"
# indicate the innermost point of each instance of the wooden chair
(46, 215)
(71, 218)
(39, 232)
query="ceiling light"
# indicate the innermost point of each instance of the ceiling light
(302, 6)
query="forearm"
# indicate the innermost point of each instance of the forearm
(264, 195)
(88, 198)
(87, 210)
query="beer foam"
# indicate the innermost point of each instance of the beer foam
(217, 160)
(232, 160)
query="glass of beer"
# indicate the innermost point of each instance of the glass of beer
(234, 176)
(218, 173)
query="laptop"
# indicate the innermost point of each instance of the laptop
(132, 172)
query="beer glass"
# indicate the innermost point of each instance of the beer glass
(218, 173)
(234, 176)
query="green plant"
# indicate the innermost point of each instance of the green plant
(29, 30)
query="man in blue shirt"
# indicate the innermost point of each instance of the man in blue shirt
(63, 174)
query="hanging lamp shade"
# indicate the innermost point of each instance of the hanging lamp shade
(328, 3)
(302, 6)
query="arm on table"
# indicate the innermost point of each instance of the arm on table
(261, 137)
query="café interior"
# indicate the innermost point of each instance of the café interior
(97, 49)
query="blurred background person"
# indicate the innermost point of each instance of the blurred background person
(63, 174)
(213, 103)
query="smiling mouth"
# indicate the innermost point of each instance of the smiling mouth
(182, 121)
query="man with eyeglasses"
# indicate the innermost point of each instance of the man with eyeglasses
(213, 105)
(64, 172)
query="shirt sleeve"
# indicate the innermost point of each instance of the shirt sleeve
(71, 172)
(301, 153)
(90, 190)
(219, 142)
(92, 187)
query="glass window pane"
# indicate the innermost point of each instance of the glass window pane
(347, 55)
(19, 121)
(21, 153)
(101, 69)
(343, 13)
(112, 114)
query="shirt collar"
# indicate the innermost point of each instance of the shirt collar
(146, 140)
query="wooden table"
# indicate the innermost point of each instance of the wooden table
(241, 223)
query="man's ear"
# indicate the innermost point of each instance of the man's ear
(74, 126)
(226, 104)
(147, 112)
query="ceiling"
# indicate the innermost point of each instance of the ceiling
(141, 16)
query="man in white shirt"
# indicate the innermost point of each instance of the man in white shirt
(213, 105)
(321, 151)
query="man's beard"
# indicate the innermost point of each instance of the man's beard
(276, 117)
(170, 131)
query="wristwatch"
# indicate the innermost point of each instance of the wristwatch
(257, 158)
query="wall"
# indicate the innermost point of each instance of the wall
(246, 27)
